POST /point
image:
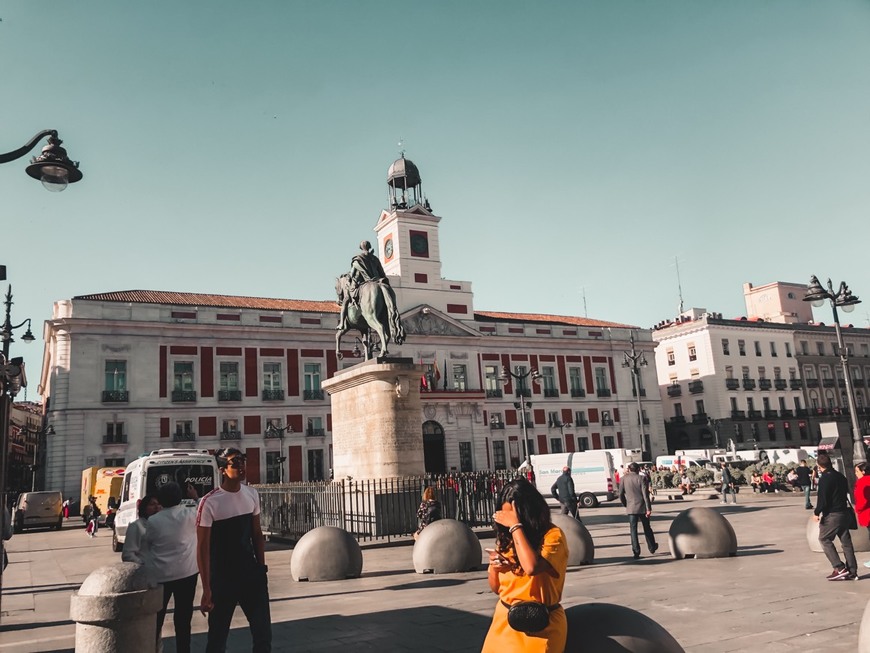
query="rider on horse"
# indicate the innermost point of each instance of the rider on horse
(363, 267)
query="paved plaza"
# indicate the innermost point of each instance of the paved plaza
(772, 597)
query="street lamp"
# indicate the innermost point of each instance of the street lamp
(53, 167)
(847, 301)
(273, 431)
(521, 405)
(37, 434)
(634, 360)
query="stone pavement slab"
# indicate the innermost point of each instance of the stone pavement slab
(771, 597)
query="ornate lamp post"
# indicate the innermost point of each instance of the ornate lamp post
(847, 301)
(634, 360)
(273, 431)
(521, 405)
(53, 167)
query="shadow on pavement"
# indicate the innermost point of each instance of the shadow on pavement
(8, 628)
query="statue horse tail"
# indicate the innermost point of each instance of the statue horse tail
(397, 331)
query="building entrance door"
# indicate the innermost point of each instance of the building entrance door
(434, 457)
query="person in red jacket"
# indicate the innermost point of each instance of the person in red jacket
(862, 498)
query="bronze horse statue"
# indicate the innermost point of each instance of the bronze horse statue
(376, 313)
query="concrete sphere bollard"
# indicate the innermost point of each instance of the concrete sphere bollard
(860, 538)
(864, 631)
(115, 609)
(326, 553)
(701, 533)
(447, 546)
(608, 628)
(581, 548)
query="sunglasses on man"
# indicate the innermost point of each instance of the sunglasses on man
(237, 462)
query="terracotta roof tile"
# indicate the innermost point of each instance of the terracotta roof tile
(566, 320)
(219, 301)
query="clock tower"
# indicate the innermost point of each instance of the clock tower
(410, 252)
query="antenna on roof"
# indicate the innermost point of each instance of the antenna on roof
(401, 147)
(679, 284)
(583, 292)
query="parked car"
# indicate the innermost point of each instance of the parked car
(38, 509)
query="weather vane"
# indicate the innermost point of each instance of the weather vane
(401, 147)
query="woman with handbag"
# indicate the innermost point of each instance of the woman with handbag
(862, 498)
(527, 571)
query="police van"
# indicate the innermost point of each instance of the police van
(146, 474)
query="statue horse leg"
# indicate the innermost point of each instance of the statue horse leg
(338, 335)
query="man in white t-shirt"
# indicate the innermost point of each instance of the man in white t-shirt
(231, 555)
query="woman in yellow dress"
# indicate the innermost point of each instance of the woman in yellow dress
(528, 564)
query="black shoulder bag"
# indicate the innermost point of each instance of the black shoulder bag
(529, 616)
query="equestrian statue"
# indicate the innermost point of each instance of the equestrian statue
(368, 304)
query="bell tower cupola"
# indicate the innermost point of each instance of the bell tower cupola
(405, 188)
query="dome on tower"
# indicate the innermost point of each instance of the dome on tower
(403, 174)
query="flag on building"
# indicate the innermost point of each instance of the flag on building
(424, 382)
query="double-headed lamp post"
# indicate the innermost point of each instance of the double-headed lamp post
(844, 299)
(52, 167)
(273, 431)
(521, 405)
(634, 360)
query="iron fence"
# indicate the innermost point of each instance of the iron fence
(377, 509)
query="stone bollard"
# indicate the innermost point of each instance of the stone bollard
(447, 546)
(701, 533)
(864, 631)
(608, 628)
(326, 553)
(581, 548)
(115, 609)
(860, 538)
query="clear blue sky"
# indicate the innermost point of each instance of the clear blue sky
(242, 148)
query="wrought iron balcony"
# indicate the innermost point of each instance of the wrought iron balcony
(582, 422)
(642, 392)
(607, 422)
(812, 383)
(732, 384)
(771, 414)
(603, 392)
(578, 392)
(554, 424)
(675, 390)
(181, 396)
(858, 383)
(273, 394)
(780, 384)
(699, 418)
(231, 435)
(312, 395)
(121, 438)
(764, 384)
(494, 394)
(785, 412)
(229, 395)
(795, 384)
(801, 412)
(523, 392)
(314, 433)
(841, 383)
(495, 426)
(116, 396)
(180, 436)
(270, 433)
(696, 387)
(738, 414)
(749, 384)
(551, 392)
(528, 423)
(828, 383)
(754, 414)
(678, 419)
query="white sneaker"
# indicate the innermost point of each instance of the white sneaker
(867, 564)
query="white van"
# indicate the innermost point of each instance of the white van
(676, 461)
(149, 472)
(35, 509)
(591, 471)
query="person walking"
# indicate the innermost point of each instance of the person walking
(231, 555)
(135, 547)
(527, 565)
(727, 484)
(832, 513)
(805, 482)
(862, 497)
(171, 558)
(563, 491)
(634, 495)
(93, 524)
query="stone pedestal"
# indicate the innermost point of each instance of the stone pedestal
(326, 553)
(860, 538)
(701, 533)
(581, 548)
(376, 419)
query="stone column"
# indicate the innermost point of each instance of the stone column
(376, 419)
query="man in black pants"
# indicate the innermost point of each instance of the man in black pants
(634, 495)
(832, 513)
(563, 491)
(231, 556)
(805, 482)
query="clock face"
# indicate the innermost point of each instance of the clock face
(388, 249)
(419, 244)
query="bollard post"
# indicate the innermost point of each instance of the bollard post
(115, 610)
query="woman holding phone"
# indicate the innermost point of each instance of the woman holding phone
(527, 572)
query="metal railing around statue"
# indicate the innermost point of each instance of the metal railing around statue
(377, 509)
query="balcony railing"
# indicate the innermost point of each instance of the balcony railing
(230, 435)
(603, 392)
(494, 394)
(801, 412)
(181, 396)
(116, 396)
(841, 383)
(795, 384)
(229, 395)
(678, 419)
(754, 414)
(578, 392)
(675, 390)
(749, 384)
(764, 384)
(771, 414)
(812, 383)
(273, 394)
(780, 384)
(828, 383)
(495, 426)
(738, 414)
(554, 424)
(115, 439)
(523, 392)
(696, 387)
(642, 392)
(582, 422)
(528, 423)
(183, 437)
(274, 433)
(785, 412)
(732, 384)
(314, 433)
(551, 392)
(607, 422)
(311, 395)
(699, 418)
